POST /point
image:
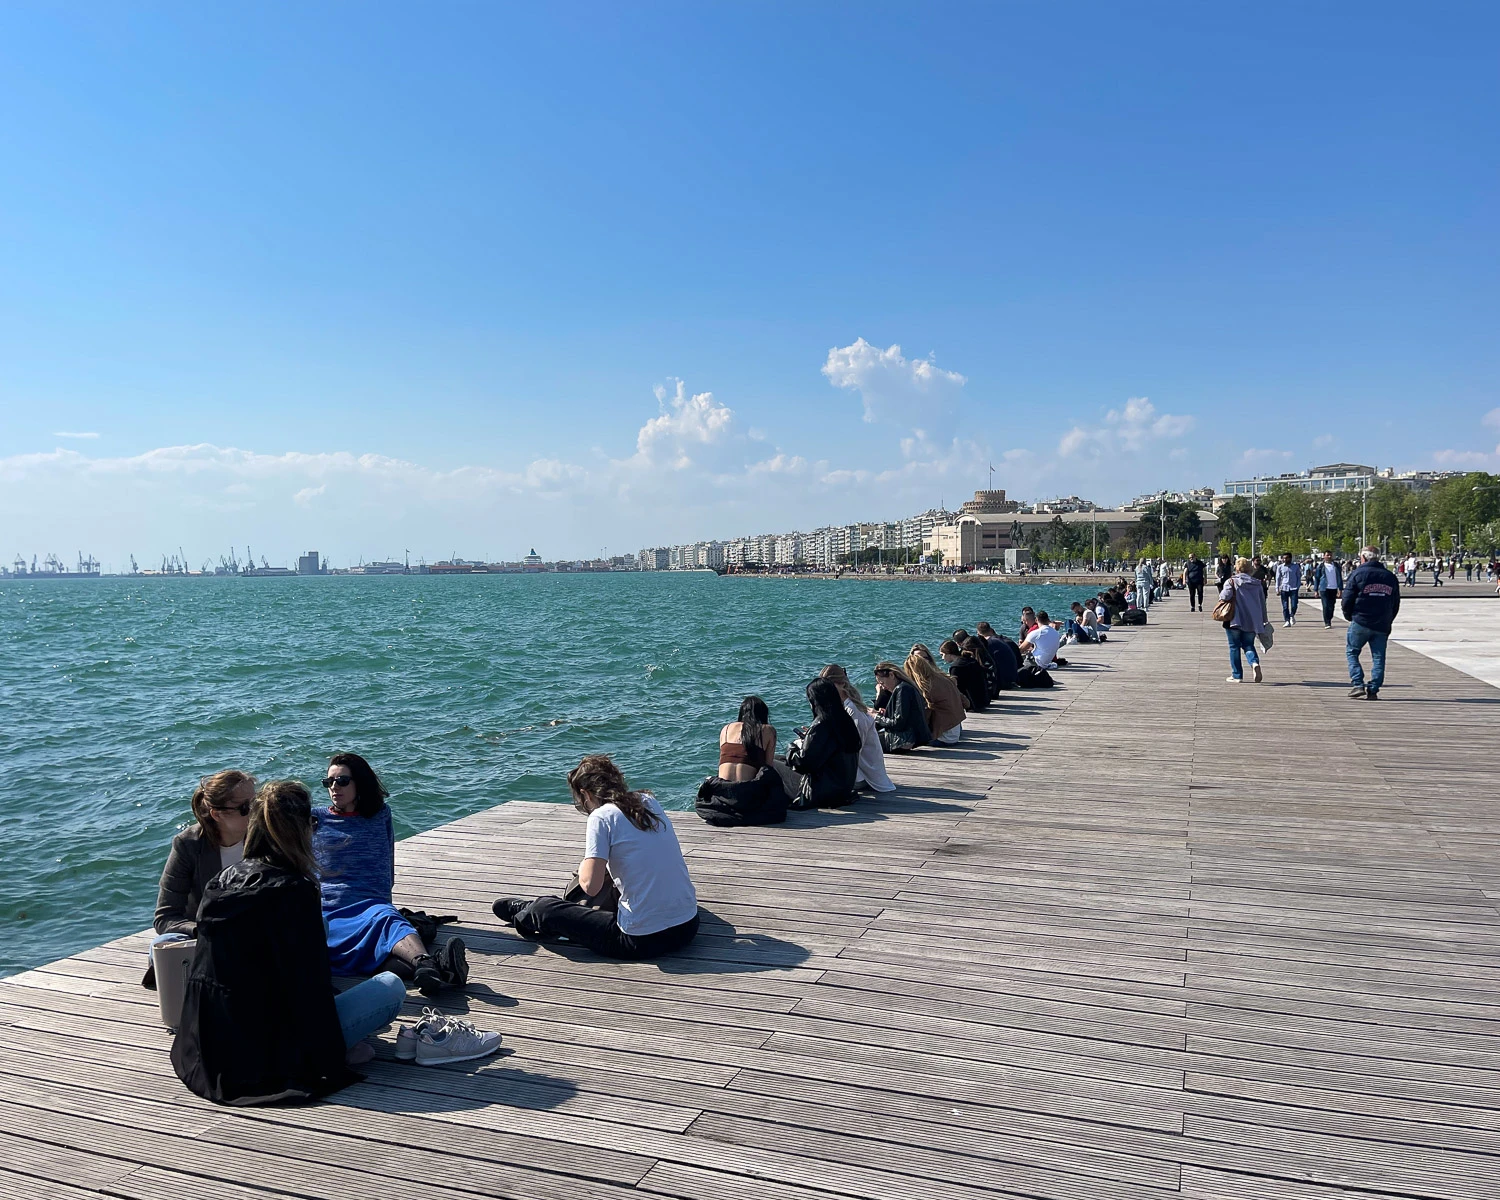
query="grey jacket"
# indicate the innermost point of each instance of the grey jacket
(192, 862)
(1249, 602)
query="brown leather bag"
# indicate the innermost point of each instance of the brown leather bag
(1224, 610)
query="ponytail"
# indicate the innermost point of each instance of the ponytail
(597, 775)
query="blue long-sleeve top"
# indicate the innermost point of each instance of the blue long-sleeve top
(356, 857)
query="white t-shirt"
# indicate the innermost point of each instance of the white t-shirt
(871, 756)
(1089, 618)
(647, 867)
(1044, 641)
(229, 855)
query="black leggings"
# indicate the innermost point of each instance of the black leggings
(1195, 595)
(596, 928)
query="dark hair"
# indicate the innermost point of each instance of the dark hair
(828, 706)
(369, 792)
(960, 635)
(280, 829)
(1043, 618)
(597, 775)
(1027, 609)
(754, 717)
(215, 791)
(948, 647)
(985, 628)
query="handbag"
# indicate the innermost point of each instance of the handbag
(1224, 610)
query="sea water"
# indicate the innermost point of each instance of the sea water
(463, 692)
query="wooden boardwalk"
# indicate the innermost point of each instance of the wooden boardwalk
(1145, 935)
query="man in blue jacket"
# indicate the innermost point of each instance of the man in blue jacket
(1372, 598)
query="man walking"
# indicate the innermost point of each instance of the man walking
(1372, 598)
(1194, 575)
(1288, 583)
(1330, 583)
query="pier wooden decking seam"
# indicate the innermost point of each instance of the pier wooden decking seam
(1145, 935)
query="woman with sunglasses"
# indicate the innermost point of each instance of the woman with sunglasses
(260, 1021)
(221, 806)
(354, 843)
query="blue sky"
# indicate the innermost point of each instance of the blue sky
(472, 277)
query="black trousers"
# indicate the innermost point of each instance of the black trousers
(596, 928)
(1330, 597)
(1195, 595)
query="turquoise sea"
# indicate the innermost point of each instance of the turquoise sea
(463, 692)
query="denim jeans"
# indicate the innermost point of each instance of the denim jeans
(1288, 605)
(1330, 598)
(1358, 638)
(1241, 639)
(367, 1006)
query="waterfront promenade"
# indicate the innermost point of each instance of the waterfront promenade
(1141, 936)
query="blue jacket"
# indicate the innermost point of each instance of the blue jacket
(1330, 577)
(1372, 597)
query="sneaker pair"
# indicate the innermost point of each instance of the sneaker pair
(439, 1038)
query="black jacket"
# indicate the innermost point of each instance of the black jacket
(972, 684)
(903, 724)
(258, 1020)
(191, 863)
(758, 801)
(1195, 572)
(1006, 656)
(828, 761)
(1372, 597)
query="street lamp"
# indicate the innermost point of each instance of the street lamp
(1164, 526)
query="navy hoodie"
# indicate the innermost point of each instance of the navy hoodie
(1372, 597)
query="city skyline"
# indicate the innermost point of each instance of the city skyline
(375, 294)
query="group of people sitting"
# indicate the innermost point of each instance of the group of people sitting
(918, 703)
(281, 895)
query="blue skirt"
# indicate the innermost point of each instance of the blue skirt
(362, 935)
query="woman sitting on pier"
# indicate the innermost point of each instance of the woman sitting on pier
(900, 712)
(355, 848)
(640, 902)
(965, 671)
(822, 765)
(747, 790)
(945, 704)
(872, 772)
(260, 1021)
(748, 742)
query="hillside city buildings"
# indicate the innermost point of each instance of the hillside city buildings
(989, 525)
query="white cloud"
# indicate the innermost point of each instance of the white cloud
(1251, 458)
(1323, 441)
(684, 425)
(1491, 418)
(1125, 430)
(62, 433)
(912, 394)
(308, 494)
(1476, 460)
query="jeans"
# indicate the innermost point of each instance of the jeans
(1359, 637)
(1288, 605)
(1330, 598)
(367, 1006)
(1195, 596)
(1241, 639)
(596, 928)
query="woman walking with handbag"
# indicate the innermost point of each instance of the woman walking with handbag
(1242, 609)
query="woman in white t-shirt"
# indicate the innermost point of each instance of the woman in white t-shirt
(639, 902)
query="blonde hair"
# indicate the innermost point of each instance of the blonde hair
(847, 690)
(1242, 565)
(216, 791)
(281, 827)
(929, 680)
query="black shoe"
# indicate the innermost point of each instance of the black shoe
(1372, 694)
(507, 907)
(454, 962)
(1357, 692)
(801, 805)
(427, 974)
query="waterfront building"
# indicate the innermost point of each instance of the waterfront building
(975, 539)
(989, 501)
(658, 559)
(1334, 477)
(309, 564)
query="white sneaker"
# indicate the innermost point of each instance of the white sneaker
(1287, 624)
(407, 1036)
(1255, 672)
(454, 1041)
(1231, 679)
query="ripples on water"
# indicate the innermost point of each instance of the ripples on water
(462, 692)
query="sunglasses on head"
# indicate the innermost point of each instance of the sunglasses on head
(338, 781)
(242, 809)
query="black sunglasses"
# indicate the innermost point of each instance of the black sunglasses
(242, 809)
(338, 781)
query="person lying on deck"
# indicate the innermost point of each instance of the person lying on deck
(355, 849)
(638, 901)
